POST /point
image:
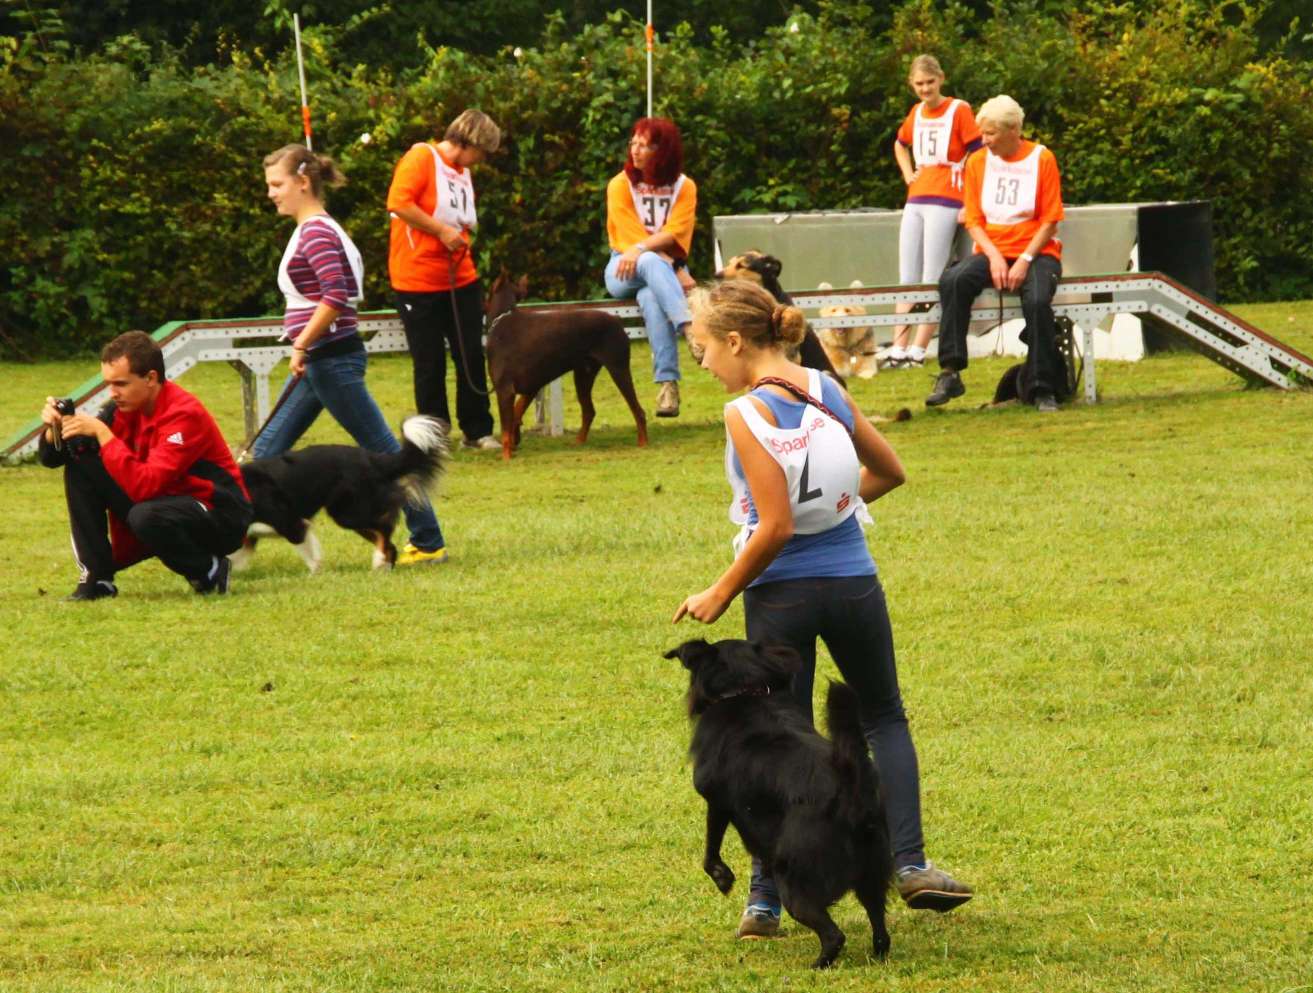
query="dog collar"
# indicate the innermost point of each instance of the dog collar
(750, 691)
(498, 319)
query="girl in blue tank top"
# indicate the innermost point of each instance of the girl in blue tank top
(803, 461)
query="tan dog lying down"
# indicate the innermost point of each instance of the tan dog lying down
(851, 350)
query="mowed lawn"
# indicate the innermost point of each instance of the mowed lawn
(473, 777)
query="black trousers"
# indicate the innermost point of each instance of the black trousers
(850, 615)
(429, 323)
(180, 530)
(962, 283)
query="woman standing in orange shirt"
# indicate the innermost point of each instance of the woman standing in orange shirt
(431, 202)
(650, 208)
(932, 145)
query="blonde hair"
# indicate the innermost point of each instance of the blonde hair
(743, 306)
(925, 63)
(1003, 112)
(300, 161)
(474, 129)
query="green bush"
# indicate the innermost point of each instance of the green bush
(131, 188)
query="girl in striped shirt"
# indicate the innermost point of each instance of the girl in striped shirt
(321, 276)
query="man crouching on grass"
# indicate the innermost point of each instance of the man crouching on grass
(155, 463)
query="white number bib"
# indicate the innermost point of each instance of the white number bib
(654, 203)
(293, 296)
(820, 467)
(1010, 190)
(455, 195)
(931, 136)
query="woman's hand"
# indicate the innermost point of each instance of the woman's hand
(706, 606)
(452, 239)
(686, 280)
(296, 364)
(628, 264)
(1017, 274)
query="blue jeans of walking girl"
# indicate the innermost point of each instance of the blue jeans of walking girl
(665, 308)
(337, 383)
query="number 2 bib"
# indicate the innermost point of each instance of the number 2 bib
(1009, 191)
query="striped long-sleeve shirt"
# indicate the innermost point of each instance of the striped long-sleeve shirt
(320, 272)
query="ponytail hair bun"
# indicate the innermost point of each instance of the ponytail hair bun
(788, 326)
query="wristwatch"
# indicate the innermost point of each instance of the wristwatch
(1027, 256)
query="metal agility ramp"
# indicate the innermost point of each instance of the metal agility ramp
(251, 348)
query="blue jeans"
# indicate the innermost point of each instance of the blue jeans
(338, 384)
(664, 307)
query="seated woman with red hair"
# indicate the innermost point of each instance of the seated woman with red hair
(650, 207)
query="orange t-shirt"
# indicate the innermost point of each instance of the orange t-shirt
(418, 262)
(624, 228)
(1012, 239)
(934, 184)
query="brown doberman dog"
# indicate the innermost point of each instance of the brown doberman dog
(528, 351)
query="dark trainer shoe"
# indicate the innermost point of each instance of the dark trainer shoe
(929, 888)
(217, 580)
(947, 386)
(97, 590)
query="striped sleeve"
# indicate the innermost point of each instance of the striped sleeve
(322, 249)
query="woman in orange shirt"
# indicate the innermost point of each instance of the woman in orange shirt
(650, 208)
(932, 145)
(431, 202)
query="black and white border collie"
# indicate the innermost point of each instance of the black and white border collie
(362, 491)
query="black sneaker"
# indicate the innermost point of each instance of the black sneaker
(99, 589)
(948, 384)
(217, 580)
(1045, 403)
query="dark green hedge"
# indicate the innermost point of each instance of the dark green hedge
(131, 191)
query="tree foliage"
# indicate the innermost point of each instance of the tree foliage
(131, 188)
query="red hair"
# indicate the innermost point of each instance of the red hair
(667, 157)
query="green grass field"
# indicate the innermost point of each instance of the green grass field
(473, 777)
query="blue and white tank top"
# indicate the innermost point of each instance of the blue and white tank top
(821, 470)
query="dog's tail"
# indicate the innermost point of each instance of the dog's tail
(852, 760)
(423, 455)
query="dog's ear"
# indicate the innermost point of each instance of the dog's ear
(691, 653)
(522, 288)
(780, 662)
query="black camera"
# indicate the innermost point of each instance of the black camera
(78, 446)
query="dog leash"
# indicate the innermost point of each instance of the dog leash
(802, 395)
(282, 399)
(455, 316)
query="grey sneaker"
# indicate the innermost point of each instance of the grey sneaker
(929, 888)
(1045, 403)
(759, 920)
(487, 443)
(667, 399)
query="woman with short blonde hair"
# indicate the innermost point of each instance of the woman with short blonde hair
(431, 266)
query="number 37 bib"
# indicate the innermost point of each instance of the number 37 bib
(653, 203)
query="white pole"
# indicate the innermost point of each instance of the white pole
(650, 36)
(300, 71)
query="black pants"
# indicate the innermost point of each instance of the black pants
(849, 614)
(961, 284)
(180, 530)
(428, 322)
